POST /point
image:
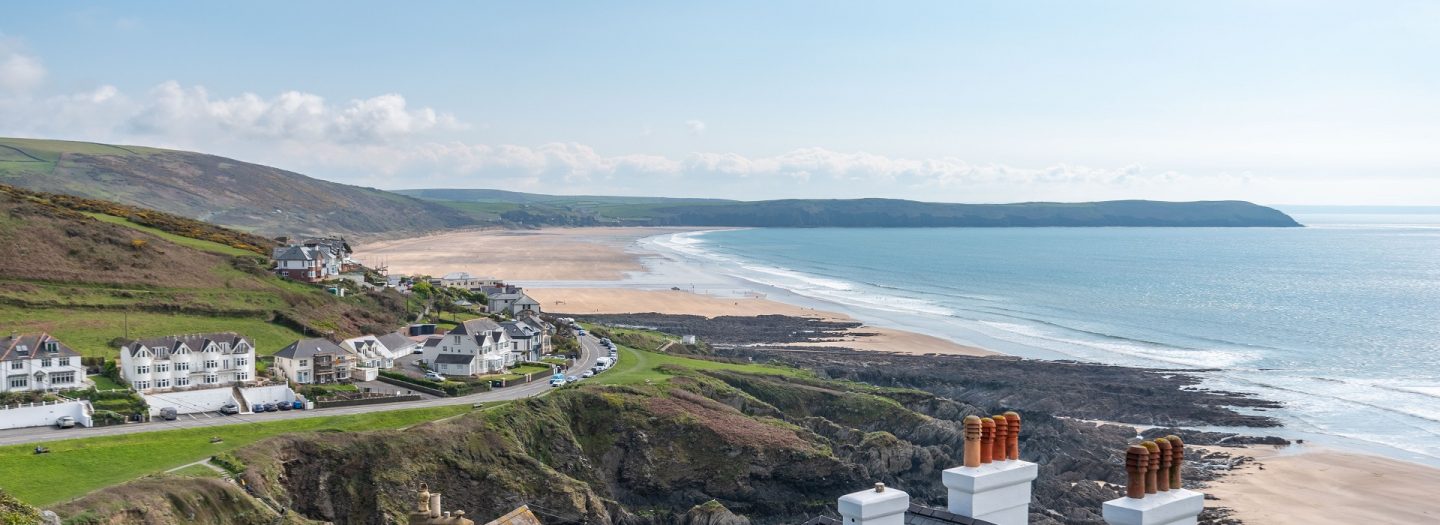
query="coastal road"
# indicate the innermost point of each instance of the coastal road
(590, 350)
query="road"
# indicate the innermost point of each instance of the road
(590, 350)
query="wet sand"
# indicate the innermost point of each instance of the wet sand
(1321, 486)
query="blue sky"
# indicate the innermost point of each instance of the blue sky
(1294, 102)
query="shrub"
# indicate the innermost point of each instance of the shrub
(229, 462)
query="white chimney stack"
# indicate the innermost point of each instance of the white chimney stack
(877, 506)
(1153, 493)
(1175, 507)
(994, 485)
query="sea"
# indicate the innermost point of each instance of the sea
(1339, 321)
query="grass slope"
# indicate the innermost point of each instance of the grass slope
(77, 466)
(90, 331)
(640, 366)
(224, 191)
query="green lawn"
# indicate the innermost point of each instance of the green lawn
(212, 247)
(103, 383)
(77, 466)
(90, 331)
(638, 366)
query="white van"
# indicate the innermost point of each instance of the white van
(604, 362)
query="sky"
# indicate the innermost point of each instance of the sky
(1278, 102)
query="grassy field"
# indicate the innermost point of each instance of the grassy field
(77, 466)
(103, 383)
(639, 366)
(208, 246)
(90, 331)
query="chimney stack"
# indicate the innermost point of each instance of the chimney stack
(1153, 495)
(878, 506)
(998, 489)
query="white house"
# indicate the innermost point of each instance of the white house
(477, 346)
(315, 361)
(38, 362)
(299, 263)
(510, 300)
(183, 362)
(526, 341)
(369, 352)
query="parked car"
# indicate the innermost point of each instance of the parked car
(284, 407)
(587, 374)
(434, 376)
(572, 379)
(258, 408)
(65, 422)
(418, 350)
(230, 409)
(169, 413)
(270, 407)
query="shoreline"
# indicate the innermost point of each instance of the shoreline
(618, 274)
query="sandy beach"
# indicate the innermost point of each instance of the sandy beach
(1321, 486)
(551, 254)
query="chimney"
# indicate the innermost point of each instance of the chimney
(434, 504)
(998, 489)
(1149, 500)
(878, 506)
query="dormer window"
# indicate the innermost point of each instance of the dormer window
(52, 346)
(22, 350)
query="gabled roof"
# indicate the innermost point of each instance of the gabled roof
(34, 346)
(296, 253)
(195, 342)
(306, 348)
(394, 341)
(516, 329)
(475, 327)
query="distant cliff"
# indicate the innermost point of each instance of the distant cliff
(529, 209)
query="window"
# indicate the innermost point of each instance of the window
(303, 363)
(227, 363)
(224, 347)
(242, 376)
(162, 367)
(182, 381)
(19, 382)
(183, 366)
(211, 363)
(162, 383)
(16, 365)
(457, 339)
(141, 385)
(62, 378)
(69, 361)
(240, 361)
(142, 369)
(45, 363)
(211, 379)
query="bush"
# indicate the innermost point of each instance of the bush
(229, 462)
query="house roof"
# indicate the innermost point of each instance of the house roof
(517, 329)
(305, 348)
(195, 342)
(454, 359)
(32, 344)
(295, 253)
(394, 341)
(917, 515)
(520, 516)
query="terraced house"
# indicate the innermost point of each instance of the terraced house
(38, 362)
(185, 362)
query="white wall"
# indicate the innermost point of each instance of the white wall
(191, 401)
(44, 415)
(267, 394)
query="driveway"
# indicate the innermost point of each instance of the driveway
(590, 350)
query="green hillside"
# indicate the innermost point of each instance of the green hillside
(538, 210)
(91, 278)
(215, 189)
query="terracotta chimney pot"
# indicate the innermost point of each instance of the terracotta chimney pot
(1137, 463)
(1152, 466)
(1162, 481)
(1177, 459)
(1013, 448)
(987, 439)
(1002, 438)
(972, 441)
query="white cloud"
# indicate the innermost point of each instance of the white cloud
(696, 127)
(19, 72)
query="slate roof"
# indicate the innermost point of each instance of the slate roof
(917, 515)
(196, 343)
(454, 359)
(295, 253)
(394, 341)
(306, 348)
(516, 329)
(34, 344)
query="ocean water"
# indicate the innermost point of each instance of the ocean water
(1340, 320)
